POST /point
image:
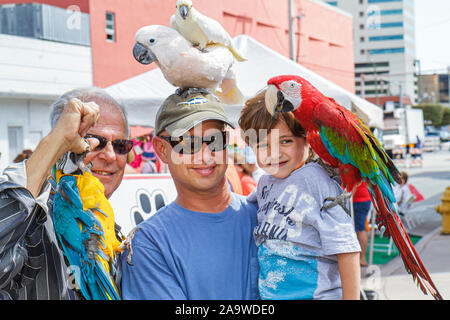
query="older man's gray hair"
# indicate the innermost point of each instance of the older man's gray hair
(86, 94)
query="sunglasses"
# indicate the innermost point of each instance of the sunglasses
(193, 144)
(120, 146)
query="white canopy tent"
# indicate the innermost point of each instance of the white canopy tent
(142, 95)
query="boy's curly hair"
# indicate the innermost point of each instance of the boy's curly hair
(255, 116)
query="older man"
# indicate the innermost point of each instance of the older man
(200, 246)
(31, 263)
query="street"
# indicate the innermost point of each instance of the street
(434, 248)
(430, 180)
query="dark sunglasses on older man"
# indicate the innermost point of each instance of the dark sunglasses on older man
(120, 146)
(192, 144)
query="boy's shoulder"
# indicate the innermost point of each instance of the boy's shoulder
(313, 169)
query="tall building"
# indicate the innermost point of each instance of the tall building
(384, 47)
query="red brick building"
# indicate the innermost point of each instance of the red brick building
(323, 34)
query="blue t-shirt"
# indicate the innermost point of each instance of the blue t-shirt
(181, 254)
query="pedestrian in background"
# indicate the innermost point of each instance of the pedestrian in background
(245, 172)
(361, 208)
(24, 155)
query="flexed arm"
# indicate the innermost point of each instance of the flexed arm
(67, 135)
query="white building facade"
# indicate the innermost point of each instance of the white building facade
(384, 40)
(33, 73)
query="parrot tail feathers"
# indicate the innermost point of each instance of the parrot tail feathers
(384, 158)
(387, 217)
(104, 281)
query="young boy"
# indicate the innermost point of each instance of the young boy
(304, 252)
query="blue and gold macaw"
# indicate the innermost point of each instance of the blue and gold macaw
(84, 225)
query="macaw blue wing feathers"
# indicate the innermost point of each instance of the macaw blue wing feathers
(82, 237)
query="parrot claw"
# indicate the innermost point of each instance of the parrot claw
(80, 161)
(70, 162)
(185, 92)
(339, 200)
(127, 245)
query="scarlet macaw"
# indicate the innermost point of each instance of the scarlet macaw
(341, 139)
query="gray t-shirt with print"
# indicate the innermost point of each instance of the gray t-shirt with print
(293, 228)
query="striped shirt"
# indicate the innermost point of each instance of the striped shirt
(32, 265)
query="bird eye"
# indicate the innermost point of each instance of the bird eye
(152, 41)
(292, 85)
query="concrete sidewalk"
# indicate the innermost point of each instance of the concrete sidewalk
(394, 283)
(391, 281)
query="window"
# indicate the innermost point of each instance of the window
(379, 91)
(372, 83)
(361, 39)
(385, 12)
(389, 132)
(362, 51)
(387, 50)
(386, 25)
(333, 3)
(391, 12)
(371, 65)
(361, 13)
(367, 73)
(15, 142)
(388, 37)
(361, 1)
(380, 1)
(361, 27)
(110, 27)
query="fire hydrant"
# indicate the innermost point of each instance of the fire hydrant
(444, 210)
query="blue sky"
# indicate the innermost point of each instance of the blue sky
(433, 34)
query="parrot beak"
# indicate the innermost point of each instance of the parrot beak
(274, 100)
(142, 54)
(184, 11)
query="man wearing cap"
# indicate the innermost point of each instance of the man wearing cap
(200, 246)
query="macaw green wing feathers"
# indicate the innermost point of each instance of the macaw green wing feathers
(349, 140)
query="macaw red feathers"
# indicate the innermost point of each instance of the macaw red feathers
(341, 139)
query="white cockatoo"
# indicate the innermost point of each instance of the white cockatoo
(200, 29)
(184, 66)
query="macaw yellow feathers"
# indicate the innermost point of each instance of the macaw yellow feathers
(93, 197)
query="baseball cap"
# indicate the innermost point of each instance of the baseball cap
(179, 114)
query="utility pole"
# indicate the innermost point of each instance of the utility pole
(448, 82)
(417, 62)
(363, 86)
(291, 30)
(376, 81)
